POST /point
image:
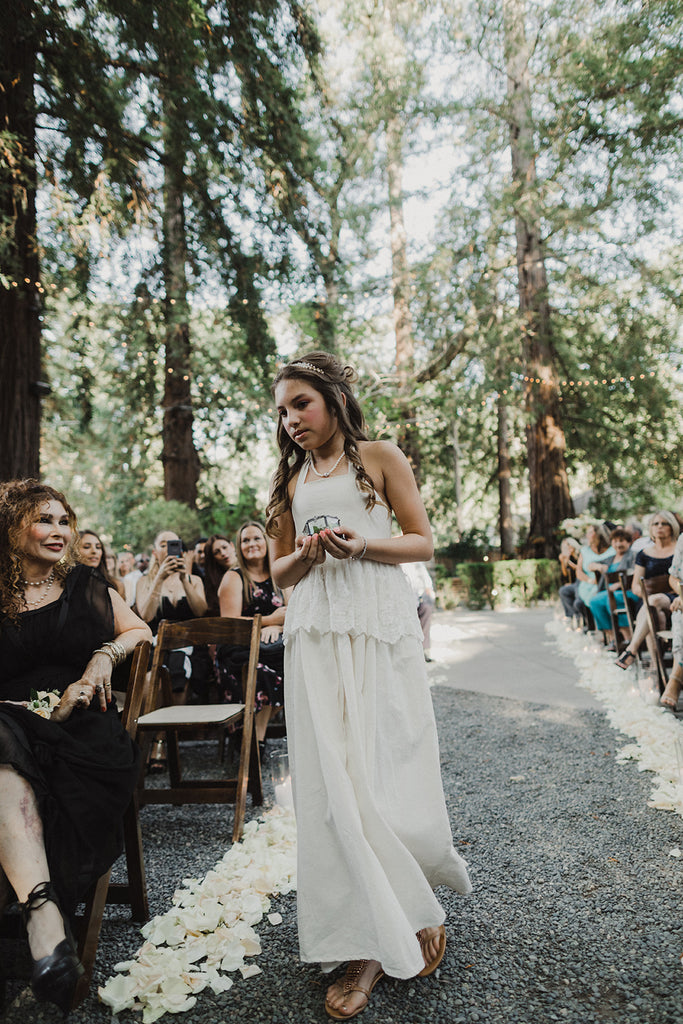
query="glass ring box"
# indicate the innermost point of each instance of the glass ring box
(317, 523)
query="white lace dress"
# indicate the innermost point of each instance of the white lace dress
(373, 830)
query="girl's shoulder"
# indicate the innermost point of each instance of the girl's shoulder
(379, 453)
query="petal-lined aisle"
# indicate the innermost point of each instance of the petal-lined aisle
(634, 711)
(210, 928)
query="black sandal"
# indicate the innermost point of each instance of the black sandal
(55, 976)
(625, 659)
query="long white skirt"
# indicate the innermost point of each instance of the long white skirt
(373, 830)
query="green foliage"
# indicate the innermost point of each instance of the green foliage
(514, 583)
(147, 521)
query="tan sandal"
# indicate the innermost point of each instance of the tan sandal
(432, 965)
(349, 984)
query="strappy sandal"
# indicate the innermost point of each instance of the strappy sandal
(55, 977)
(430, 967)
(625, 659)
(349, 984)
(669, 702)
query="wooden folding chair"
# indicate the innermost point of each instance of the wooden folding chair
(618, 616)
(134, 891)
(662, 637)
(174, 720)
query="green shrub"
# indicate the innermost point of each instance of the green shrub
(514, 583)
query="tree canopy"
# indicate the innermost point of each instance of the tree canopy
(477, 206)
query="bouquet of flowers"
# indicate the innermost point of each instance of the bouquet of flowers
(43, 701)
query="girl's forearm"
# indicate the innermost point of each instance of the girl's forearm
(409, 547)
(288, 570)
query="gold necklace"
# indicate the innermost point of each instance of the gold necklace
(330, 471)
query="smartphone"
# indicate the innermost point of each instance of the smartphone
(174, 548)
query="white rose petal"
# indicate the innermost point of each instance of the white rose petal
(275, 918)
(250, 970)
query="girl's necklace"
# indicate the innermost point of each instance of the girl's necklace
(40, 583)
(330, 471)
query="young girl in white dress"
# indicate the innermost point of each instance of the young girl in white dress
(373, 832)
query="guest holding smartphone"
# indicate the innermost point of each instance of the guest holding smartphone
(169, 591)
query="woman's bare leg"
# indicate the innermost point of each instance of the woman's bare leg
(23, 860)
(670, 696)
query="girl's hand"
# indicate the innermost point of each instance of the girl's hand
(342, 542)
(309, 550)
(269, 634)
(188, 563)
(677, 604)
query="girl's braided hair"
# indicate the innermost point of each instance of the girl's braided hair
(20, 501)
(332, 379)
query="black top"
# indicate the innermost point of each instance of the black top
(654, 566)
(83, 770)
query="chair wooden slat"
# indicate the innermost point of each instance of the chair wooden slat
(173, 720)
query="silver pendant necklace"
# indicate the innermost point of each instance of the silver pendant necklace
(330, 471)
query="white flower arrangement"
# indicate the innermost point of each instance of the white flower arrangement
(42, 702)
(210, 929)
(633, 709)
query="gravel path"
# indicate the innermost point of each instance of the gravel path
(575, 914)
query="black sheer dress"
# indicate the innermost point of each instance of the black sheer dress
(83, 770)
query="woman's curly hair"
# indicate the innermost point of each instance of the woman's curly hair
(20, 500)
(332, 379)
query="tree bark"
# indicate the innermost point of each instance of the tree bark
(179, 455)
(457, 477)
(400, 282)
(20, 289)
(507, 535)
(550, 500)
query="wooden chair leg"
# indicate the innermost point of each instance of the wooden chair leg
(134, 891)
(90, 935)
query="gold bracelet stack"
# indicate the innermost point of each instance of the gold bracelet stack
(114, 650)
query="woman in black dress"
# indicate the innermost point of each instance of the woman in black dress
(68, 772)
(91, 551)
(249, 590)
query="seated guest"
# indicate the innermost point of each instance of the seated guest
(425, 598)
(623, 558)
(249, 590)
(67, 773)
(170, 591)
(635, 528)
(198, 557)
(129, 573)
(568, 559)
(669, 698)
(219, 556)
(91, 551)
(653, 560)
(575, 596)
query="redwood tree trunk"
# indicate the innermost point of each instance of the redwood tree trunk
(20, 291)
(179, 456)
(548, 485)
